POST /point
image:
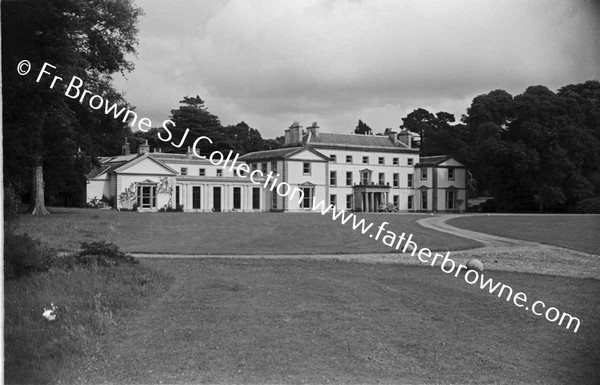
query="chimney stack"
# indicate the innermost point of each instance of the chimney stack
(293, 135)
(405, 138)
(314, 130)
(144, 148)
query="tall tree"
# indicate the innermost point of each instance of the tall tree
(419, 121)
(88, 39)
(363, 128)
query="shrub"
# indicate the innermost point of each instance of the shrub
(588, 206)
(103, 254)
(24, 255)
(96, 203)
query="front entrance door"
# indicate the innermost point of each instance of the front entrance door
(217, 199)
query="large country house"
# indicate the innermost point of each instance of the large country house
(354, 172)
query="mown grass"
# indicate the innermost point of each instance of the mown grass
(287, 321)
(576, 232)
(91, 302)
(228, 233)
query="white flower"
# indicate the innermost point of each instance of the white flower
(50, 314)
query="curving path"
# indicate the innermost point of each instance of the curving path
(438, 223)
(501, 253)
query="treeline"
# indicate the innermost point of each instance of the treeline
(192, 120)
(539, 150)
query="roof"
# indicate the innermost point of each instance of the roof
(279, 153)
(429, 161)
(354, 140)
(138, 159)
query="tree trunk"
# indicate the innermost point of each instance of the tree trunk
(39, 207)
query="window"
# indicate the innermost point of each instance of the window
(333, 158)
(308, 197)
(450, 174)
(411, 199)
(348, 178)
(263, 168)
(365, 160)
(349, 201)
(381, 160)
(450, 199)
(196, 197)
(306, 168)
(220, 172)
(410, 161)
(217, 199)
(395, 161)
(333, 199)
(184, 171)
(423, 174)
(333, 178)
(202, 172)
(397, 201)
(396, 182)
(274, 201)
(274, 167)
(409, 181)
(177, 196)
(237, 198)
(256, 198)
(146, 196)
(381, 178)
(348, 158)
(365, 177)
(424, 200)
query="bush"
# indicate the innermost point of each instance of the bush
(103, 254)
(103, 203)
(24, 255)
(588, 206)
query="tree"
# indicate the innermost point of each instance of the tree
(419, 121)
(90, 40)
(363, 129)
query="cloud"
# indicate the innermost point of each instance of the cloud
(340, 60)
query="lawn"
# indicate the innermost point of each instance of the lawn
(297, 321)
(227, 233)
(576, 232)
(90, 302)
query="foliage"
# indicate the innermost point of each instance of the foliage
(192, 114)
(539, 149)
(128, 198)
(94, 254)
(103, 254)
(363, 129)
(12, 203)
(589, 206)
(169, 209)
(43, 127)
(24, 255)
(101, 203)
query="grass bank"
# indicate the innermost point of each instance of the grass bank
(91, 302)
(294, 321)
(576, 232)
(227, 233)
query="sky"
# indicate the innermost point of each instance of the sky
(272, 62)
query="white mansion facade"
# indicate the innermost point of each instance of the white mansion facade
(355, 172)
